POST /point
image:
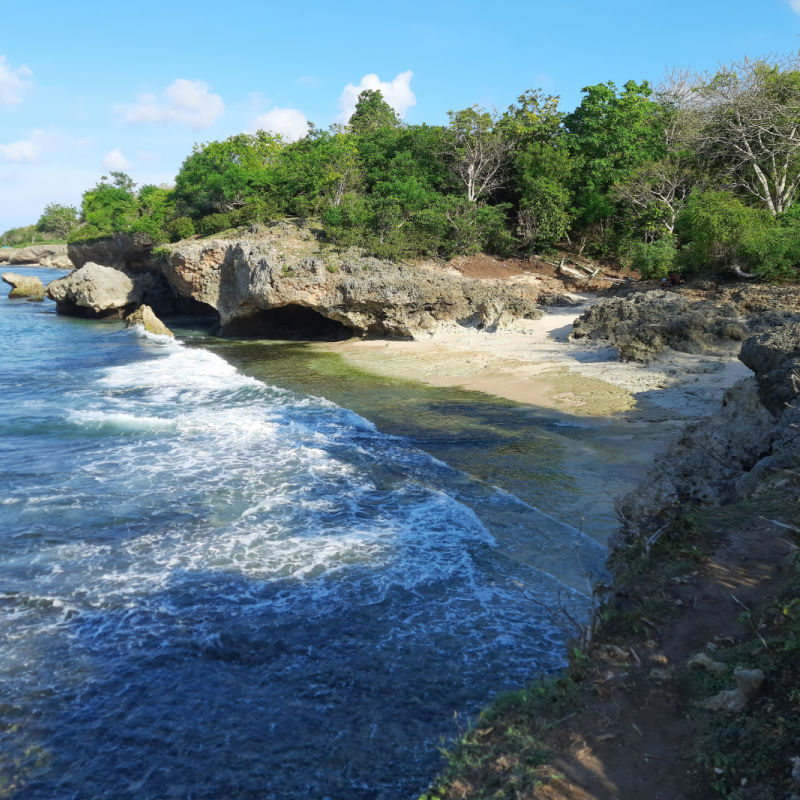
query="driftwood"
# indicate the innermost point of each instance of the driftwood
(740, 273)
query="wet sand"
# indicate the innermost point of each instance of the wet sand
(535, 363)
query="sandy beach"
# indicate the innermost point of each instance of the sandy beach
(535, 362)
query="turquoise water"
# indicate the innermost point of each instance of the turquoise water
(213, 585)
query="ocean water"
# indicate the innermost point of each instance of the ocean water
(216, 586)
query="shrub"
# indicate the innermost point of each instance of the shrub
(716, 227)
(214, 223)
(180, 228)
(87, 233)
(655, 259)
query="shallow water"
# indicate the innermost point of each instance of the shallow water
(245, 571)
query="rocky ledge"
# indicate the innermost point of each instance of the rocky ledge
(284, 284)
(47, 255)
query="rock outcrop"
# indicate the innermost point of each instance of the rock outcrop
(145, 317)
(756, 433)
(24, 286)
(46, 255)
(131, 253)
(774, 356)
(249, 282)
(645, 324)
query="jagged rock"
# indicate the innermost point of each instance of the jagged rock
(774, 356)
(246, 282)
(704, 661)
(24, 286)
(748, 685)
(145, 317)
(46, 255)
(644, 324)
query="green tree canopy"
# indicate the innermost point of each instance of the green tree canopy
(58, 219)
(372, 112)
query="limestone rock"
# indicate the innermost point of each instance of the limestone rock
(145, 317)
(774, 356)
(132, 253)
(245, 281)
(24, 286)
(644, 324)
(46, 255)
(705, 464)
(748, 685)
(95, 291)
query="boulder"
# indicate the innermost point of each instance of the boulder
(145, 317)
(95, 291)
(644, 324)
(24, 286)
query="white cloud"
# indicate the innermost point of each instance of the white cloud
(114, 160)
(795, 4)
(290, 123)
(26, 151)
(184, 102)
(13, 82)
(397, 93)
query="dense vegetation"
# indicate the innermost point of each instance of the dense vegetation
(701, 172)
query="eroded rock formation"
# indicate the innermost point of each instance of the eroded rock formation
(645, 324)
(24, 286)
(145, 317)
(245, 281)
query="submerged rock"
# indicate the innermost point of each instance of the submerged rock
(145, 317)
(24, 286)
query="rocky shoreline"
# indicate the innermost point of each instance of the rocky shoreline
(54, 256)
(285, 283)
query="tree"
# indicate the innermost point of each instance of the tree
(479, 151)
(751, 135)
(58, 219)
(226, 176)
(110, 207)
(372, 112)
(612, 133)
(540, 169)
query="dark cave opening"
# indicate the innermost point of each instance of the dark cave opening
(291, 322)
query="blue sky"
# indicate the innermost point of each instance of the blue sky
(89, 86)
